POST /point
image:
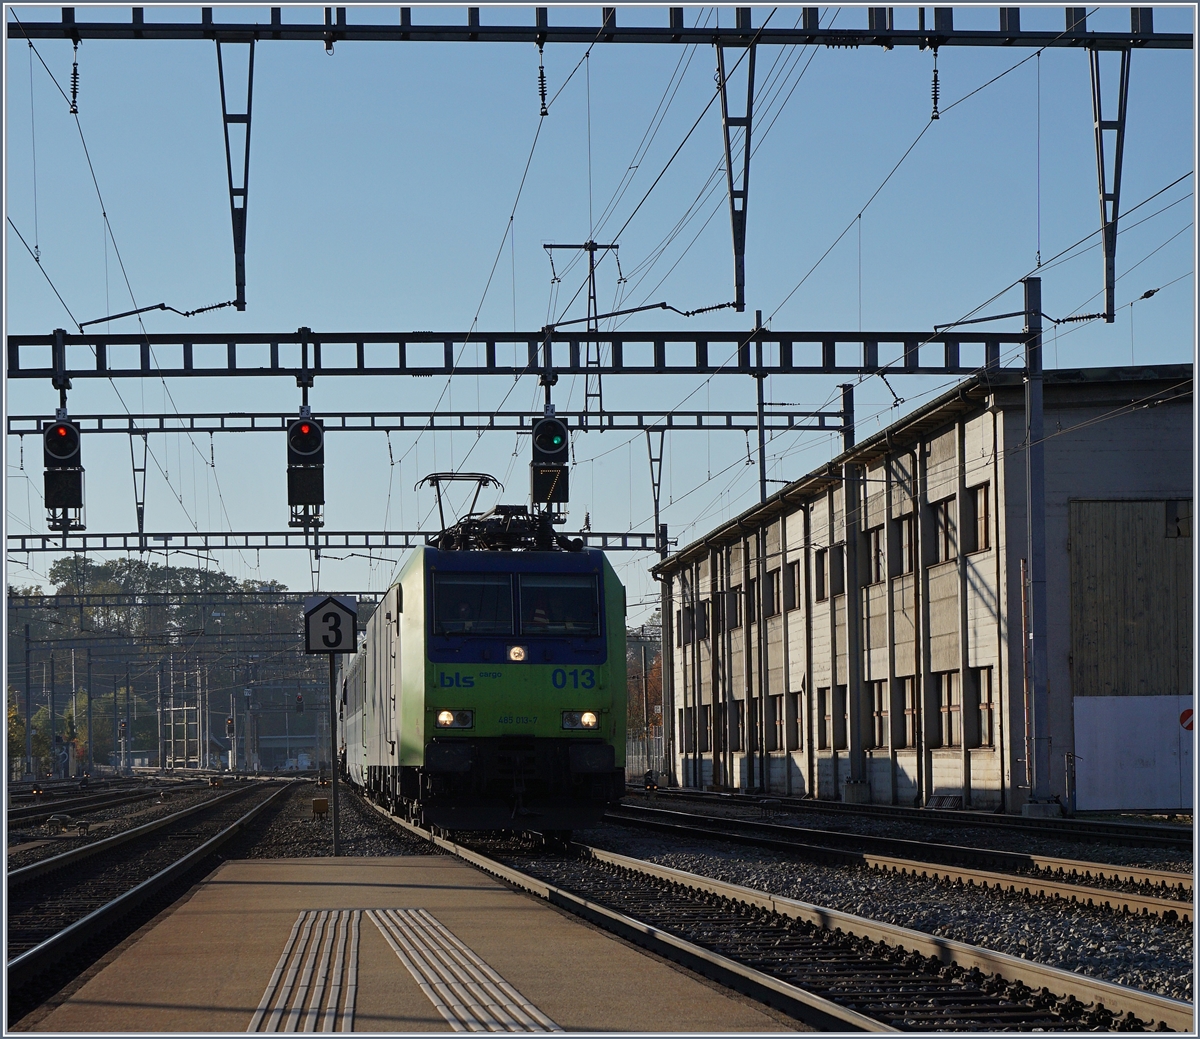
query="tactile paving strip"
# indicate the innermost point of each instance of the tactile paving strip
(303, 991)
(468, 993)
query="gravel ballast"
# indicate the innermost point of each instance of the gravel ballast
(362, 832)
(1141, 952)
(1176, 860)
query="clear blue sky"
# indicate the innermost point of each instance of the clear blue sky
(382, 177)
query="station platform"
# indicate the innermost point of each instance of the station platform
(405, 944)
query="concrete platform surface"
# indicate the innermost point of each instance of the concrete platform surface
(379, 945)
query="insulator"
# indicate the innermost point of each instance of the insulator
(935, 96)
(75, 88)
(542, 82)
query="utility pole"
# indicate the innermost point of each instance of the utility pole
(90, 756)
(53, 727)
(760, 374)
(28, 707)
(1040, 802)
(128, 721)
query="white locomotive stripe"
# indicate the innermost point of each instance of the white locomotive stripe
(468, 993)
(265, 1002)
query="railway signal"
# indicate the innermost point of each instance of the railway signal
(63, 486)
(549, 483)
(306, 461)
(299, 703)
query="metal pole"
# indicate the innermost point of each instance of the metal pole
(128, 723)
(161, 742)
(759, 376)
(28, 706)
(116, 736)
(53, 733)
(333, 772)
(91, 759)
(1035, 499)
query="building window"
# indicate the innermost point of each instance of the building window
(705, 728)
(837, 569)
(910, 712)
(908, 544)
(774, 593)
(733, 607)
(796, 736)
(987, 706)
(703, 618)
(824, 719)
(950, 708)
(736, 722)
(752, 600)
(820, 571)
(879, 713)
(876, 567)
(791, 586)
(775, 723)
(839, 717)
(943, 530)
(679, 627)
(975, 520)
(685, 727)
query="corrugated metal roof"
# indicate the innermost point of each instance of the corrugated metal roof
(964, 398)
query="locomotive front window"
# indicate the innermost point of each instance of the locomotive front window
(559, 604)
(472, 604)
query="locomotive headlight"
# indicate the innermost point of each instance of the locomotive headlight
(456, 719)
(516, 654)
(580, 720)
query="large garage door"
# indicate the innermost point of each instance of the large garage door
(1131, 653)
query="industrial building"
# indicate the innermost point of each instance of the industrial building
(862, 634)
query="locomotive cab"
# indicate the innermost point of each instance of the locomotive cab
(489, 693)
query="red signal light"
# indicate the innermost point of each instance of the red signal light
(305, 428)
(61, 430)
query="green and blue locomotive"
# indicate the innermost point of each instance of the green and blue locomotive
(489, 692)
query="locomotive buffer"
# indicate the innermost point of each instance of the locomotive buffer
(331, 627)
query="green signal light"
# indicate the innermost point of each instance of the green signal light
(557, 440)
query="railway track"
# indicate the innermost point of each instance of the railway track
(1153, 835)
(833, 970)
(1127, 889)
(77, 806)
(55, 908)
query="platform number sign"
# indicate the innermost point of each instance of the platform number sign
(330, 624)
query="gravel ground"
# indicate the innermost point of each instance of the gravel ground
(293, 833)
(1140, 952)
(116, 820)
(1178, 860)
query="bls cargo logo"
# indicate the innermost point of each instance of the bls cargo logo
(455, 681)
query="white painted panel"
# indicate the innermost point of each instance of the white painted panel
(1130, 753)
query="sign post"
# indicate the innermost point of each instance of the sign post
(330, 627)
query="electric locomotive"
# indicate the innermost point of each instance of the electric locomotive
(489, 692)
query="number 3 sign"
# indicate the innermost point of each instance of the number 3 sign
(329, 624)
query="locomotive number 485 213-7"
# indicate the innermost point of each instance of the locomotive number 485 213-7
(578, 679)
